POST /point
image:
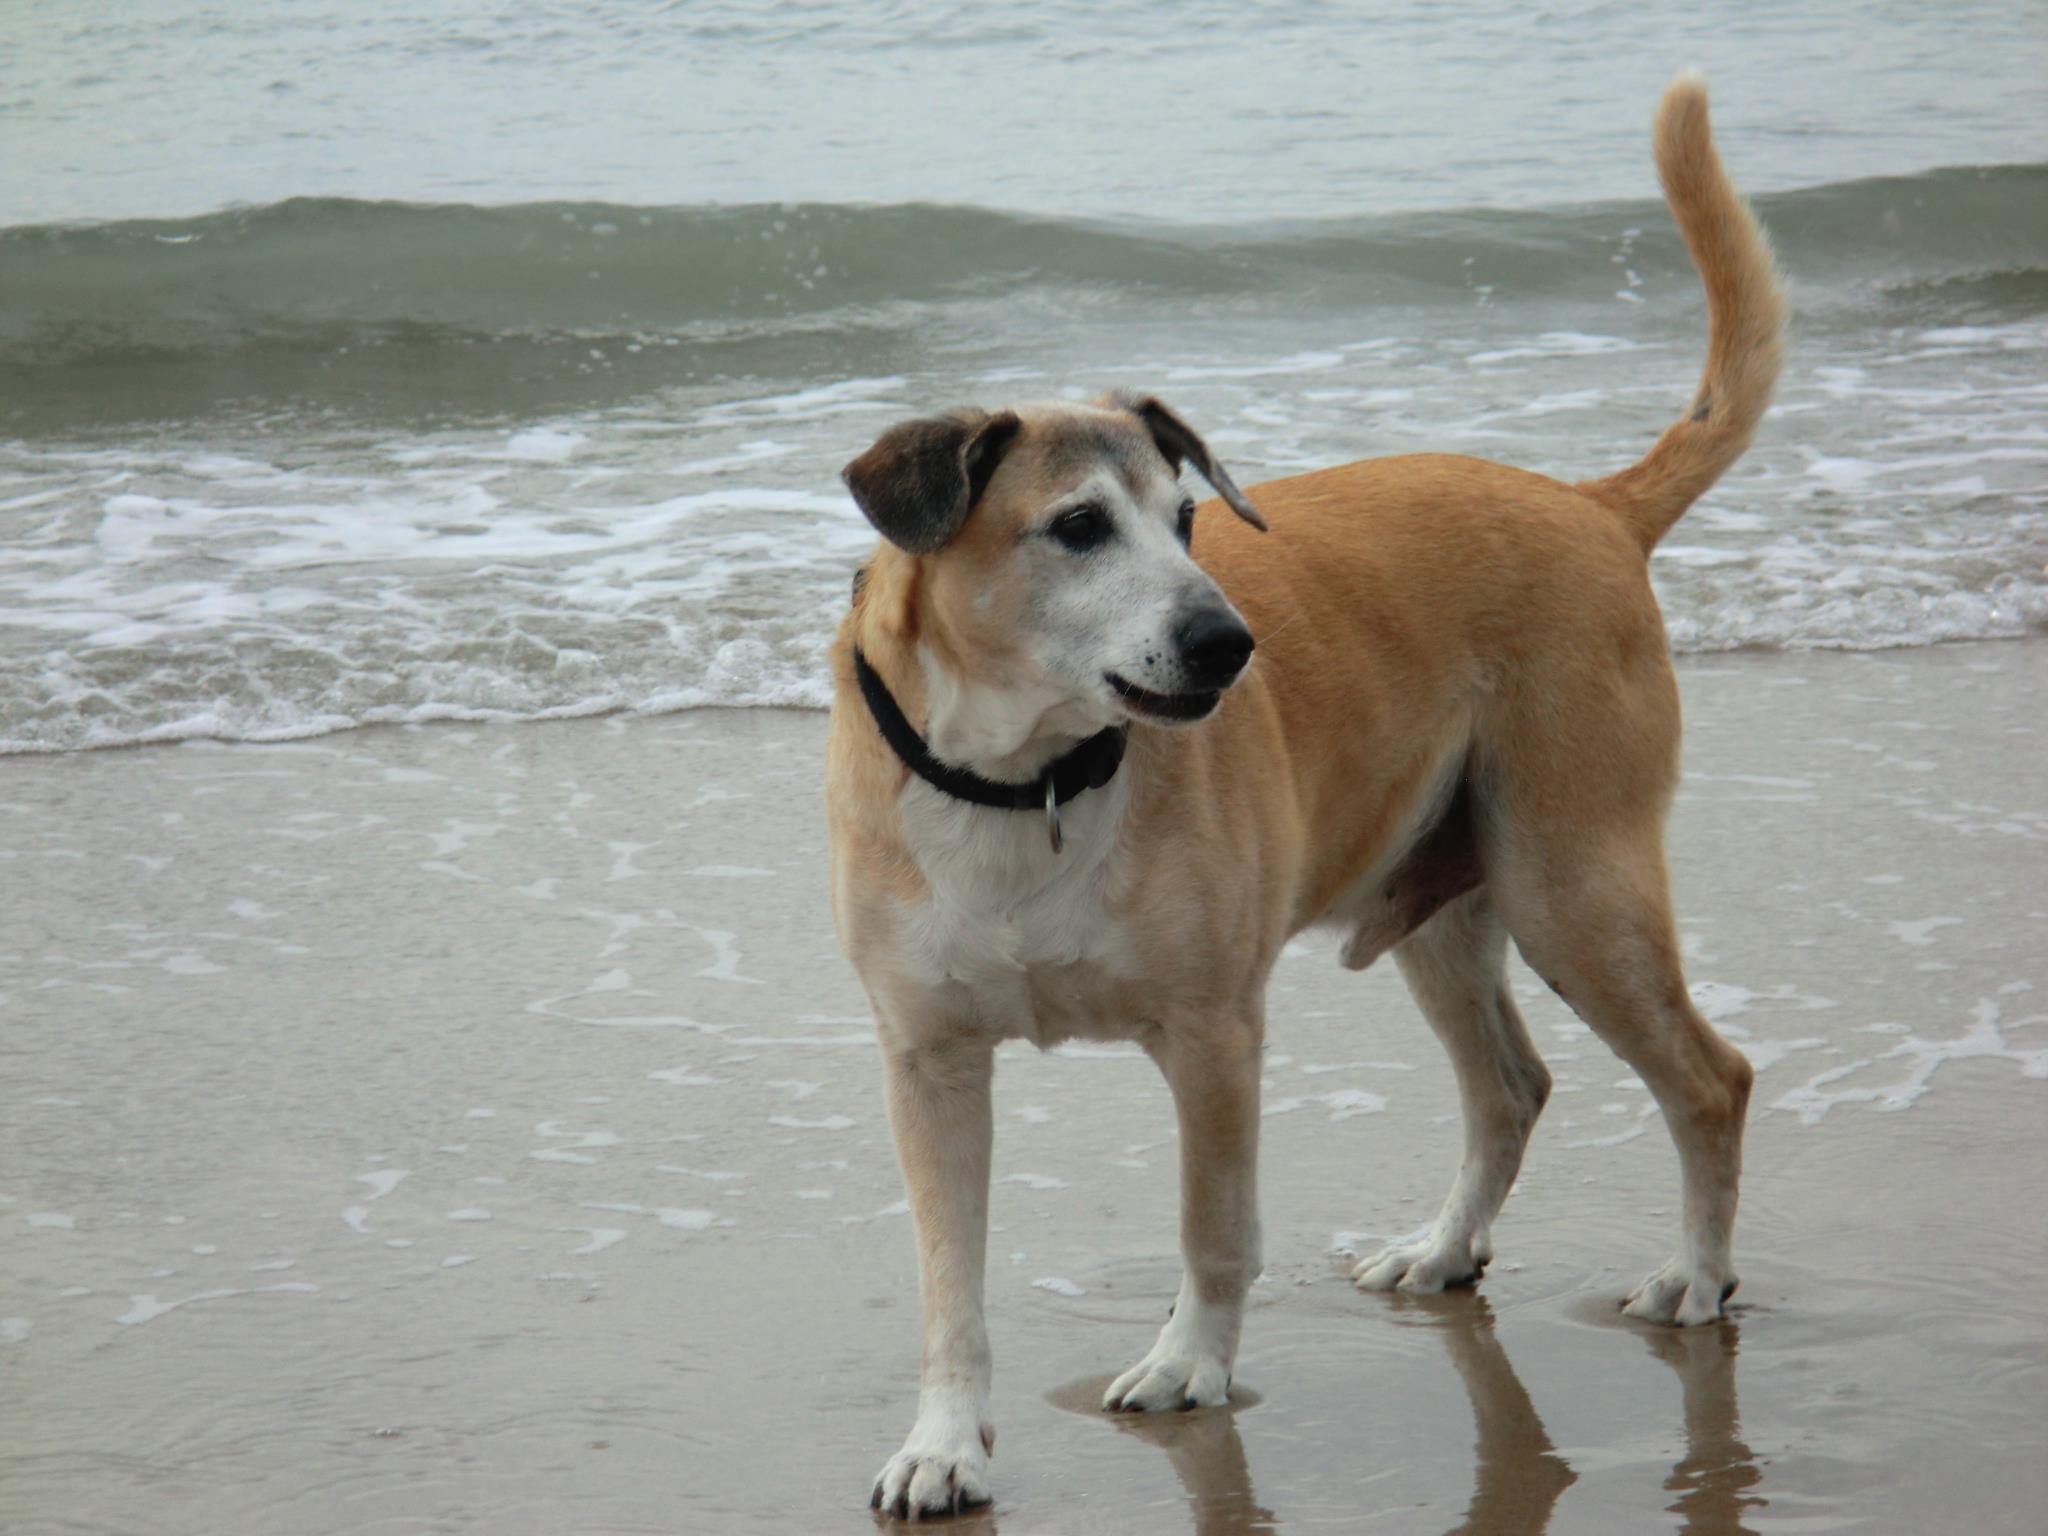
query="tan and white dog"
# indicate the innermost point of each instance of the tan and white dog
(1066, 800)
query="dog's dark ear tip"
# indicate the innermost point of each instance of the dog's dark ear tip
(1180, 443)
(1235, 499)
(918, 481)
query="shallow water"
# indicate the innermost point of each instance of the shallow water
(394, 365)
(475, 1128)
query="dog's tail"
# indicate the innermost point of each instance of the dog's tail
(1746, 316)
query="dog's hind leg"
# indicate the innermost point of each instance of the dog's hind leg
(1454, 965)
(1214, 1074)
(1592, 915)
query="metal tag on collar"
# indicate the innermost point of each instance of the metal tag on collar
(1052, 815)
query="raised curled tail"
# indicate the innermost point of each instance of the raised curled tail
(1745, 323)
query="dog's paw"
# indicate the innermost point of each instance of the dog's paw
(1424, 1268)
(1176, 1374)
(935, 1474)
(1680, 1295)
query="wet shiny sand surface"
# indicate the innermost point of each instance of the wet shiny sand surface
(450, 1129)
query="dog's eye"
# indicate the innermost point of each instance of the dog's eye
(1084, 528)
(1184, 525)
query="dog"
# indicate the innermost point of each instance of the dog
(1088, 773)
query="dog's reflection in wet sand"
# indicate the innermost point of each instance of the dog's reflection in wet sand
(1208, 1457)
(1519, 1474)
(1714, 1482)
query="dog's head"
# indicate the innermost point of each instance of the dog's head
(1052, 546)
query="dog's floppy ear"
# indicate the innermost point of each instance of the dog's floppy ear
(1179, 441)
(921, 478)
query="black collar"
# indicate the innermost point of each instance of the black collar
(1088, 766)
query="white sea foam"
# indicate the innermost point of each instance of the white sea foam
(303, 581)
(1921, 1059)
(144, 1309)
(1059, 1286)
(383, 1180)
(1343, 1103)
(575, 1143)
(1556, 344)
(683, 1077)
(680, 1219)
(1638, 1127)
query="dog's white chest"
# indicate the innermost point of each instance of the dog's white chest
(1028, 934)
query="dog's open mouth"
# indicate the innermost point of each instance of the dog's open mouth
(1165, 706)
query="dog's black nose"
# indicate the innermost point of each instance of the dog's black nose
(1214, 646)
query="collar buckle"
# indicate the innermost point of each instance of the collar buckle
(1052, 815)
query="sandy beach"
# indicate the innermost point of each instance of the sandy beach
(450, 1129)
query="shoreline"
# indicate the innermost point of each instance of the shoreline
(627, 713)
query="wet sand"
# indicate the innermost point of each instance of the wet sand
(462, 1129)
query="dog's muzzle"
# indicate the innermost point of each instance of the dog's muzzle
(1212, 648)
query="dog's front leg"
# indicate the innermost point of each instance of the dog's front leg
(939, 1110)
(1214, 1074)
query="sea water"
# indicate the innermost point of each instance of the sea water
(384, 363)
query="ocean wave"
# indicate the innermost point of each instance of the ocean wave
(305, 567)
(321, 274)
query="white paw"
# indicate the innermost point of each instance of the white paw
(1424, 1268)
(1680, 1294)
(936, 1473)
(1176, 1374)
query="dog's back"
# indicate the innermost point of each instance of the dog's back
(1396, 598)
